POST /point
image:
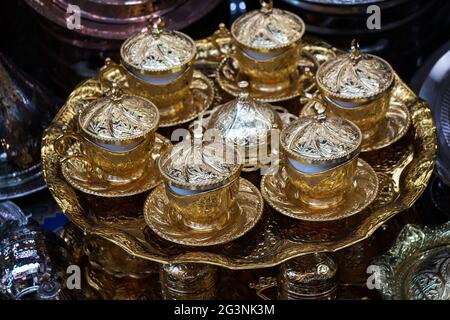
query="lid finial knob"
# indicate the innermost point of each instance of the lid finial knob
(355, 53)
(243, 95)
(266, 6)
(156, 24)
(115, 91)
(320, 109)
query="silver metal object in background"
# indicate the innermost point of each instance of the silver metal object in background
(33, 262)
(400, 31)
(25, 110)
(417, 266)
(11, 214)
(432, 83)
(435, 89)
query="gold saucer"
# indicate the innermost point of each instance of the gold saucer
(228, 76)
(274, 190)
(398, 121)
(167, 223)
(75, 172)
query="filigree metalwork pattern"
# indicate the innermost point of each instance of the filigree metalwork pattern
(405, 166)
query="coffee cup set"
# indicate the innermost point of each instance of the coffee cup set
(321, 177)
(268, 55)
(114, 150)
(358, 87)
(198, 197)
(157, 64)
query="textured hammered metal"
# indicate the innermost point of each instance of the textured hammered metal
(275, 191)
(168, 224)
(355, 76)
(268, 29)
(417, 266)
(403, 170)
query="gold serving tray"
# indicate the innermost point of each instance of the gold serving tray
(403, 170)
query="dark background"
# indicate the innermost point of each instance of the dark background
(411, 30)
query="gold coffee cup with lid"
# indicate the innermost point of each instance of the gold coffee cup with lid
(357, 86)
(320, 155)
(268, 46)
(159, 62)
(116, 134)
(201, 182)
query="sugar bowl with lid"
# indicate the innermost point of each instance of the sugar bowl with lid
(249, 125)
(268, 46)
(159, 62)
(116, 135)
(320, 156)
(357, 86)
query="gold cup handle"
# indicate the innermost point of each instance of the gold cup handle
(58, 145)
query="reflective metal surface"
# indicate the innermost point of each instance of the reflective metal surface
(104, 19)
(355, 77)
(176, 106)
(99, 183)
(169, 223)
(33, 264)
(188, 281)
(311, 277)
(25, 110)
(403, 170)
(248, 125)
(268, 29)
(417, 266)
(435, 89)
(286, 199)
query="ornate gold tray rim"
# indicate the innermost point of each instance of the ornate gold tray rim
(60, 189)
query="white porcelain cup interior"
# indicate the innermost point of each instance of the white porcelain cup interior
(346, 105)
(312, 168)
(183, 192)
(159, 79)
(117, 148)
(262, 56)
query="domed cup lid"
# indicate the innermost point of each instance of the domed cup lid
(118, 119)
(321, 139)
(268, 29)
(355, 77)
(157, 50)
(197, 165)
